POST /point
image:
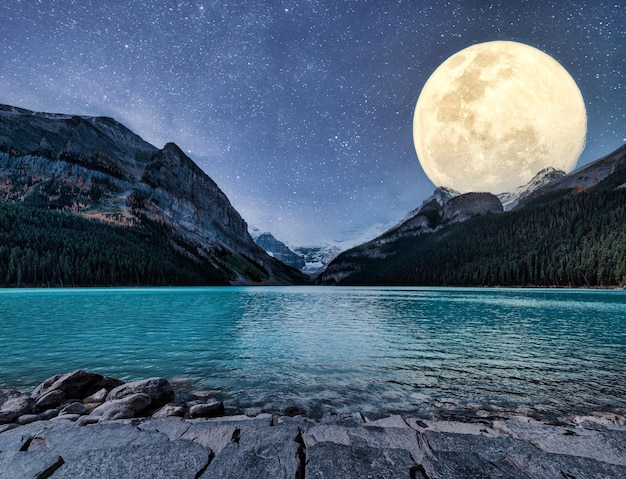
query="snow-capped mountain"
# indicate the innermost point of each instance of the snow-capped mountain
(545, 177)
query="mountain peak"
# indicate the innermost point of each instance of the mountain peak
(543, 178)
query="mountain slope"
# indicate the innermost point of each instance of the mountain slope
(279, 250)
(577, 238)
(95, 168)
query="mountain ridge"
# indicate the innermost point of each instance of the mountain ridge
(428, 250)
(96, 168)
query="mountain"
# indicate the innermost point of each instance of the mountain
(543, 179)
(95, 174)
(316, 258)
(279, 250)
(566, 230)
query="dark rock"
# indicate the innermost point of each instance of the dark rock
(293, 411)
(169, 410)
(51, 399)
(127, 407)
(48, 414)
(76, 384)
(159, 390)
(74, 408)
(213, 409)
(336, 460)
(28, 418)
(13, 404)
(259, 452)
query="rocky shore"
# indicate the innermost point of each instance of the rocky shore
(85, 425)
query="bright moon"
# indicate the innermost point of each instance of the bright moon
(495, 114)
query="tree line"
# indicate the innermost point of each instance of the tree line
(577, 240)
(42, 247)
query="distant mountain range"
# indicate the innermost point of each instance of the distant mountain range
(85, 201)
(558, 230)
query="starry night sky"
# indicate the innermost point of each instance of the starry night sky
(301, 111)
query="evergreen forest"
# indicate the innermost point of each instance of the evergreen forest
(43, 247)
(577, 240)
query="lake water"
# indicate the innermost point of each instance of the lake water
(434, 351)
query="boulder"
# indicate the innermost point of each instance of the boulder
(125, 408)
(13, 404)
(76, 384)
(158, 390)
(98, 397)
(169, 410)
(74, 408)
(212, 409)
(28, 418)
(50, 399)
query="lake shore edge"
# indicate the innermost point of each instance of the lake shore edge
(82, 424)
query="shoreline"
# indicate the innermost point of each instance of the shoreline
(82, 424)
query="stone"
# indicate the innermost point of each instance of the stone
(177, 459)
(208, 410)
(66, 417)
(606, 445)
(172, 427)
(50, 399)
(388, 438)
(127, 407)
(259, 452)
(18, 464)
(48, 414)
(98, 397)
(13, 404)
(75, 384)
(28, 418)
(159, 390)
(74, 408)
(565, 466)
(391, 421)
(212, 436)
(169, 410)
(327, 460)
(326, 433)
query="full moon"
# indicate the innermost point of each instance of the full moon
(494, 114)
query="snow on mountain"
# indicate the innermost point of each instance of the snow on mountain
(545, 177)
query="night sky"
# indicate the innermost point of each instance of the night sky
(301, 111)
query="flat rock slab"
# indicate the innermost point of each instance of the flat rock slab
(260, 452)
(329, 461)
(292, 448)
(166, 460)
(24, 464)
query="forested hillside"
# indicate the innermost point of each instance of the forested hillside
(577, 240)
(41, 247)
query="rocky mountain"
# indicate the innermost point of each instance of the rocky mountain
(317, 257)
(547, 176)
(560, 230)
(587, 176)
(279, 250)
(97, 169)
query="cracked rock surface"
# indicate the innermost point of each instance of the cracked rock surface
(276, 447)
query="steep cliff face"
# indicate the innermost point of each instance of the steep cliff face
(467, 206)
(279, 250)
(98, 168)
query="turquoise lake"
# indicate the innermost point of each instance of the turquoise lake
(323, 349)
